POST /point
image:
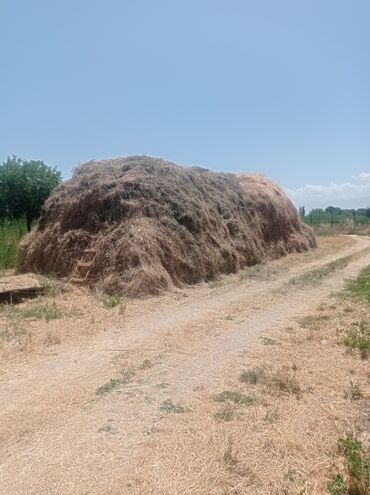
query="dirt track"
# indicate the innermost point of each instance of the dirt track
(57, 436)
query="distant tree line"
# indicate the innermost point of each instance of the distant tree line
(334, 215)
(24, 187)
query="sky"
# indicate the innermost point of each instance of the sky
(277, 87)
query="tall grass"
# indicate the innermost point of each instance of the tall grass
(11, 232)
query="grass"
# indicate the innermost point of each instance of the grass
(360, 288)
(314, 277)
(284, 383)
(146, 364)
(358, 338)
(11, 232)
(355, 480)
(269, 341)
(169, 407)
(280, 381)
(313, 321)
(251, 376)
(127, 373)
(225, 414)
(108, 387)
(353, 392)
(235, 397)
(112, 301)
(37, 312)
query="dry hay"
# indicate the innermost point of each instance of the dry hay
(156, 225)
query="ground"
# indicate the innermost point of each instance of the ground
(239, 386)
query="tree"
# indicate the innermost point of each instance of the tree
(302, 211)
(25, 186)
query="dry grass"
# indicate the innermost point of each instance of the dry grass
(308, 392)
(156, 225)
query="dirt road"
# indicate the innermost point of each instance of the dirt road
(89, 415)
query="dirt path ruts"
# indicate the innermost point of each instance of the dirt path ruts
(52, 426)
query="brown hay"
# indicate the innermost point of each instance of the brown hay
(156, 225)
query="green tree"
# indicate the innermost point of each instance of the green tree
(25, 186)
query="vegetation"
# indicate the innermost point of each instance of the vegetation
(358, 338)
(111, 385)
(356, 478)
(169, 407)
(334, 216)
(361, 286)
(315, 276)
(236, 397)
(37, 312)
(112, 301)
(24, 187)
(11, 232)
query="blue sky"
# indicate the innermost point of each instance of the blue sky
(275, 86)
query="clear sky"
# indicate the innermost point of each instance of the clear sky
(276, 86)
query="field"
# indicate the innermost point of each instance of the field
(255, 383)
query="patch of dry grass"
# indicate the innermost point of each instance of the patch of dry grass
(309, 394)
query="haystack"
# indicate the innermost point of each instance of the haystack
(149, 225)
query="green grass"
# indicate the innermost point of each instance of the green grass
(108, 387)
(358, 338)
(112, 301)
(360, 288)
(11, 232)
(356, 478)
(236, 397)
(314, 277)
(127, 374)
(38, 312)
(269, 341)
(169, 407)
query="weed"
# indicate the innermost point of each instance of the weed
(358, 338)
(271, 415)
(16, 336)
(360, 288)
(52, 338)
(169, 407)
(146, 364)
(353, 392)
(163, 385)
(108, 387)
(251, 376)
(225, 414)
(37, 312)
(50, 287)
(127, 373)
(112, 301)
(236, 397)
(313, 321)
(11, 232)
(314, 277)
(114, 383)
(284, 383)
(229, 456)
(269, 341)
(356, 480)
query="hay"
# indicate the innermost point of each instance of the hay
(155, 225)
